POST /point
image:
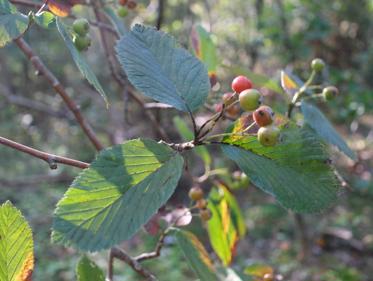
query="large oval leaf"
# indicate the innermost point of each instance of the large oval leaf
(79, 60)
(317, 121)
(120, 191)
(16, 245)
(12, 23)
(196, 255)
(296, 171)
(163, 71)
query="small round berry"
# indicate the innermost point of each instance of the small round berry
(241, 83)
(205, 214)
(317, 65)
(82, 42)
(330, 93)
(131, 5)
(268, 136)
(201, 203)
(122, 2)
(229, 98)
(195, 193)
(81, 26)
(263, 116)
(250, 99)
(122, 12)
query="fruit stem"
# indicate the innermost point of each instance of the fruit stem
(298, 95)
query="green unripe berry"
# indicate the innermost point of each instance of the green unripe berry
(317, 65)
(250, 99)
(195, 193)
(268, 136)
(330, 93)
(82, 42)
(122, 12)
(81, 27)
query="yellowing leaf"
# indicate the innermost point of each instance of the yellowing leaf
(16, 245)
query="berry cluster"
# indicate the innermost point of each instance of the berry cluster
(196, 194)
(124, 6)
(81, 38)
(249, 99)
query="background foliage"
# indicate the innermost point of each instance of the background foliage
(260, 36)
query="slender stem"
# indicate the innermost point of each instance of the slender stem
(298, 95)
(118, 253)
(42, 7)
(42, 69)
(51, 159)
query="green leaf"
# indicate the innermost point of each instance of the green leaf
(12, 23)
(226, 225)
(80, 62)
(163, 71)
(317, 121)
(120, 191)
(117, 22)
(196, 255)
(87, 270)
(204, 48)
(187, 135)
(295, 171)
(45, 19)
(16, 245)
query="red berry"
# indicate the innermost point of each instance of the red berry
(241, 83)
(195, 193)
(263, 116)
(122, 2)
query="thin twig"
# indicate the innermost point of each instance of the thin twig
(51, 159)
(156, 253)
(42, 69)
(118, 253)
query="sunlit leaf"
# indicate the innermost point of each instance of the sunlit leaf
(226, 225)
(45, 19)
(119, 192)
(288, 83)
(12, 23)
(196, 255)
(16, 245)
(296, 171)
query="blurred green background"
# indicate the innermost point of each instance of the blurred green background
(263, 36)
